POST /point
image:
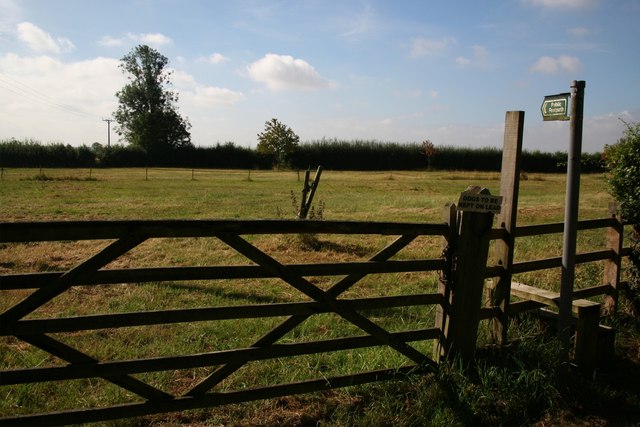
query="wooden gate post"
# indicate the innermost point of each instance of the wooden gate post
(612, 267)
(449, 244)
(469, 265)
(499, 293)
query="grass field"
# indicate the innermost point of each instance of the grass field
(448, 398)
(32, 194)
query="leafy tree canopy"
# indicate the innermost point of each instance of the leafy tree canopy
(147, 114)
(279, 140)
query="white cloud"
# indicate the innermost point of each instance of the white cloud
(434, 94)
(209, 96)
(51, 100)
(194, 95)
(154, 39)
(80, 84)
(41, 41)
(562, 63)
(151, 39)
(217, 58)
(109, 41)
(462, 61)
(283, 72)
(562, 4)
(425, 47)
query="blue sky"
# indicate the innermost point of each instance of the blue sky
(401, 71)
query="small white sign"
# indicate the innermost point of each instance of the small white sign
(474, 202)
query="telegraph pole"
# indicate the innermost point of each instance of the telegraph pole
(108, 131)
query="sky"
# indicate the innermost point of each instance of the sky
(390, 71)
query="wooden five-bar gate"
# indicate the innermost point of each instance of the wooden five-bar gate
(128, 235)
(459, 306)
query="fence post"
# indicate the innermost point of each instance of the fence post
(499, 293)
(449, 243)
(586, 341)
(469, 266)
(612, 266)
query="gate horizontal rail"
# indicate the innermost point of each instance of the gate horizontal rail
(208, 400)
(17, 321)
(161, 317)
(97, 230)
(139, 275)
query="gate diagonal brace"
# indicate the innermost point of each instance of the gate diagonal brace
(289, 324)
(67, 280)
(312, 291)
(73, 356)
(59, 286)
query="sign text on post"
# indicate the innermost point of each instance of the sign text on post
(555, 107)
(473, 202)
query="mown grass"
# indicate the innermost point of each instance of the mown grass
(514, 387)
(160, 193)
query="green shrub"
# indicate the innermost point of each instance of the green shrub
(623, 166)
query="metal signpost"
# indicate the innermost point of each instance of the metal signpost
(555, 108)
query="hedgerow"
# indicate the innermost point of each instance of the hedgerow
(332, 154)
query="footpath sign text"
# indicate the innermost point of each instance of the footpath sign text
(555, 107)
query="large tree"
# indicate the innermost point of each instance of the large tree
(147, 114)
(279, 140)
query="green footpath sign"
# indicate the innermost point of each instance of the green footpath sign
(555, 107)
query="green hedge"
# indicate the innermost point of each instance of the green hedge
(331, 154)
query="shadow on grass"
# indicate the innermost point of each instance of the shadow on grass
(218, 291)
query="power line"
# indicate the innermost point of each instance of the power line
(33, 95)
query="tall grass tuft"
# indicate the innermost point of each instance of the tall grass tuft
(513, 386)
